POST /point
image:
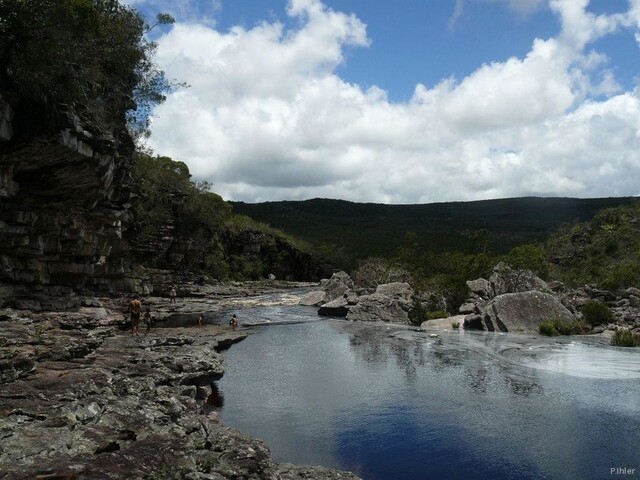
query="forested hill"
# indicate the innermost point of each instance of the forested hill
(368, 229)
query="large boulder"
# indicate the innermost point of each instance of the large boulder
(315, 298)
(523, 311)
(336, 286)
(480, 287)
(338, 307)
(390, 302)
(505, 279)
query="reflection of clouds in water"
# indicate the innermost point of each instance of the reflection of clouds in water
(487, 384)
(345, 395)
(590, 361)
(412, 351)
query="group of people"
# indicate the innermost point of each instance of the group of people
(136, 314)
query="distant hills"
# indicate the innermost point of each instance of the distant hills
(368, 229)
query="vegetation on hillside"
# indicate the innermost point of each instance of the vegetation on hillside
(604, 251)
(180, 224)
(363, 230)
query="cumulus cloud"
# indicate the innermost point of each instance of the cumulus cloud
(268, 117)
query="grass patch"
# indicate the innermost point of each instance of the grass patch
(437, 314)
(557, 326)
(625, 338)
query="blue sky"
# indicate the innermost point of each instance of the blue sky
(403, 101)
(417, 40)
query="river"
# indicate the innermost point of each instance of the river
(395, 404)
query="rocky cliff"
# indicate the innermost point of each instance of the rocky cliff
(63, 196)
(79, 216)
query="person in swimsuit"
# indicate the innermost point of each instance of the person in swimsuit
(135, 309)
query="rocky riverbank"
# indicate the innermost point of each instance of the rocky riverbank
(83, 398)
(511, 300)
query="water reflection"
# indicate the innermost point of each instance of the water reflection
(397, 404)
(215, 398)
(413, 351)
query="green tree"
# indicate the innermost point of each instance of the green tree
(88, 55)
(529, 257)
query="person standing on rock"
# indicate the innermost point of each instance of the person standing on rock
(200, 320)
(173, 294)
(135, 309)
(233, 322)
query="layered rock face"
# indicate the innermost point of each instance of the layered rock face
(64, 200)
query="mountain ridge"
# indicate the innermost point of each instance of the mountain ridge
(374, 229)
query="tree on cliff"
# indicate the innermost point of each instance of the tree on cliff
(91, 55)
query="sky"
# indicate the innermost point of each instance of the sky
(405, 101)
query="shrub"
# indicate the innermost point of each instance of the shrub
(557, 326)
(596, 313)
(377, 271)
(455, 325)
(437, 314)
(625, 338)
(529, 257)
(547, 328)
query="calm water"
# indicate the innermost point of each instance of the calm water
(399, 405)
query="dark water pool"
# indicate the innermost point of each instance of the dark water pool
(399, 405)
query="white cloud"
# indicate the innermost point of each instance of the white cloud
(580, 27)
(267, 116)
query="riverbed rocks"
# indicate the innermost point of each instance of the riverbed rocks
(517, 300)
(511, 300)
(329, 295)
(390, 302)
(394, 302)
(95, 402)
(335, 308)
